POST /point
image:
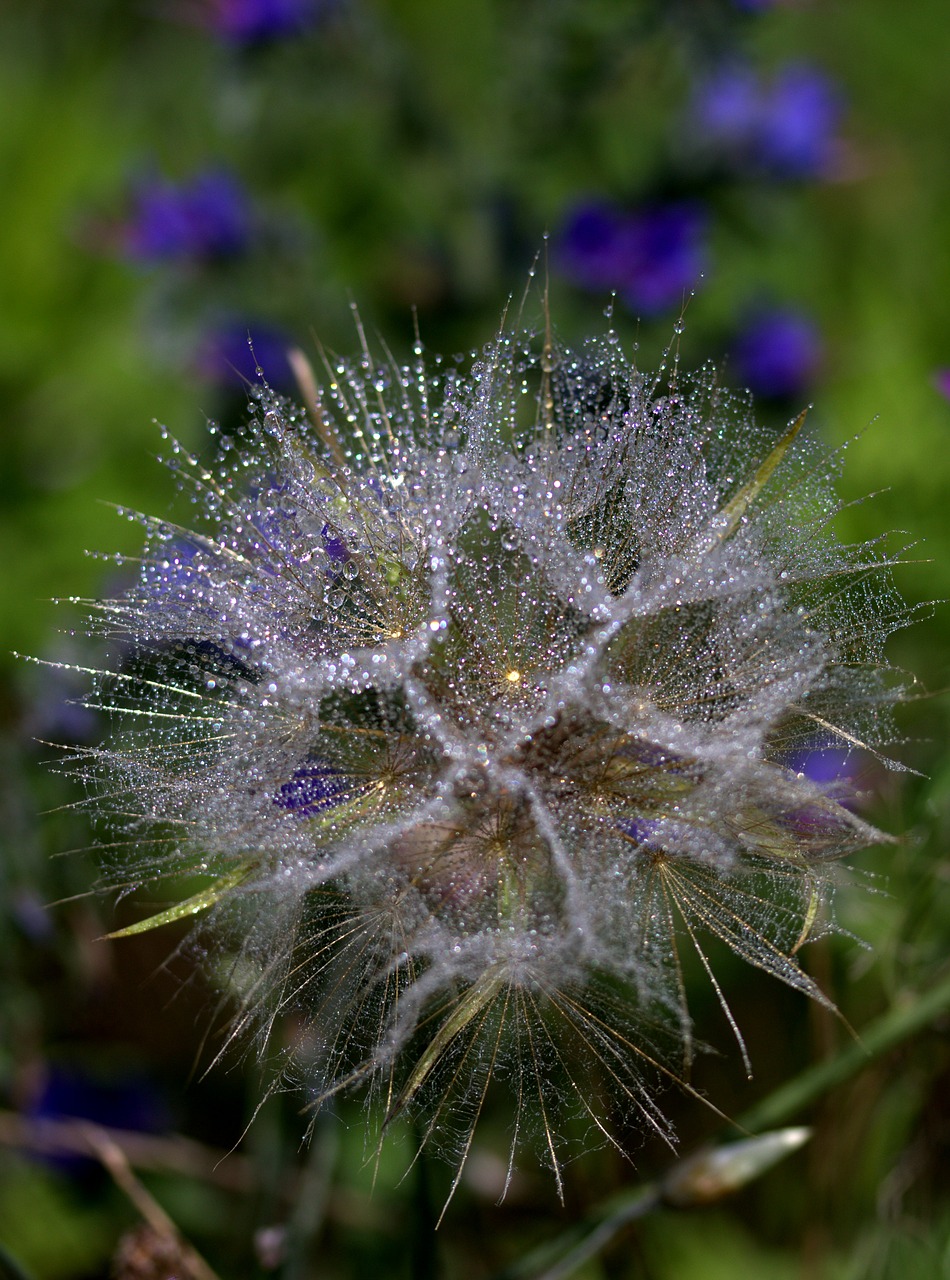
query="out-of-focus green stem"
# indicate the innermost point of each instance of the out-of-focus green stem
(889, 1030)
(556, 1259)
(707, 1176)
(559, 1257)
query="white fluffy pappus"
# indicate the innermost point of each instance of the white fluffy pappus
(475, 697)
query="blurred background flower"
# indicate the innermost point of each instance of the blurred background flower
(206, 217)
(652, 256)
(777, 354)
(230, 355)
(254, 22)
(783, 126)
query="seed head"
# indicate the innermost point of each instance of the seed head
(477, 698)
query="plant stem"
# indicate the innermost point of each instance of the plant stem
(888, 1031)
(558, 1258)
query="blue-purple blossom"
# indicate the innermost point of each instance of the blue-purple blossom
(588, 248)
(30, 913)
(825, 765)
(652, 255)
(759, 6)
(314, 786)
(726, 108)
(777, 354)
(71, 1093)
(833, 769)
(800, 116)
(254, 22)
(941, 380)
(334, 547)
(204, 218)
(56, 710)
(235, 355)
(783, 127)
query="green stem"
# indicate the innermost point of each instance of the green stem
(889, 1030)
(555, 1259)
(558, 1258)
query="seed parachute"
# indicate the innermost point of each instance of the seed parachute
(471, 701)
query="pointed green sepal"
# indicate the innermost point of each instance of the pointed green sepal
(478, 996)
(191, 906)
(730, 516)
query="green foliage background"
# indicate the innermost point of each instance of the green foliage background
(412, 153)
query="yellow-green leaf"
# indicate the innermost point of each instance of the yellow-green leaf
(478, 996)
(191, 906)
(729, 518)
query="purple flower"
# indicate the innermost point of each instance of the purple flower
(29, 912)
(777, 354)
(652, 255)
(206, 218)
(589, 248)
(249, 22)
(834, 770)
(232, 354)
(312, 788)
(666, 253)
(941, 380)
(799, 117)
(334, 546)
(128, 1101)
(637, 830)
(56, 708)
(824, 765)
(726, 109)
(786, 128)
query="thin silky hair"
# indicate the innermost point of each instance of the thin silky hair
(477, 695)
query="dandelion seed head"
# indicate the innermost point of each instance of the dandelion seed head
(475, 698)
